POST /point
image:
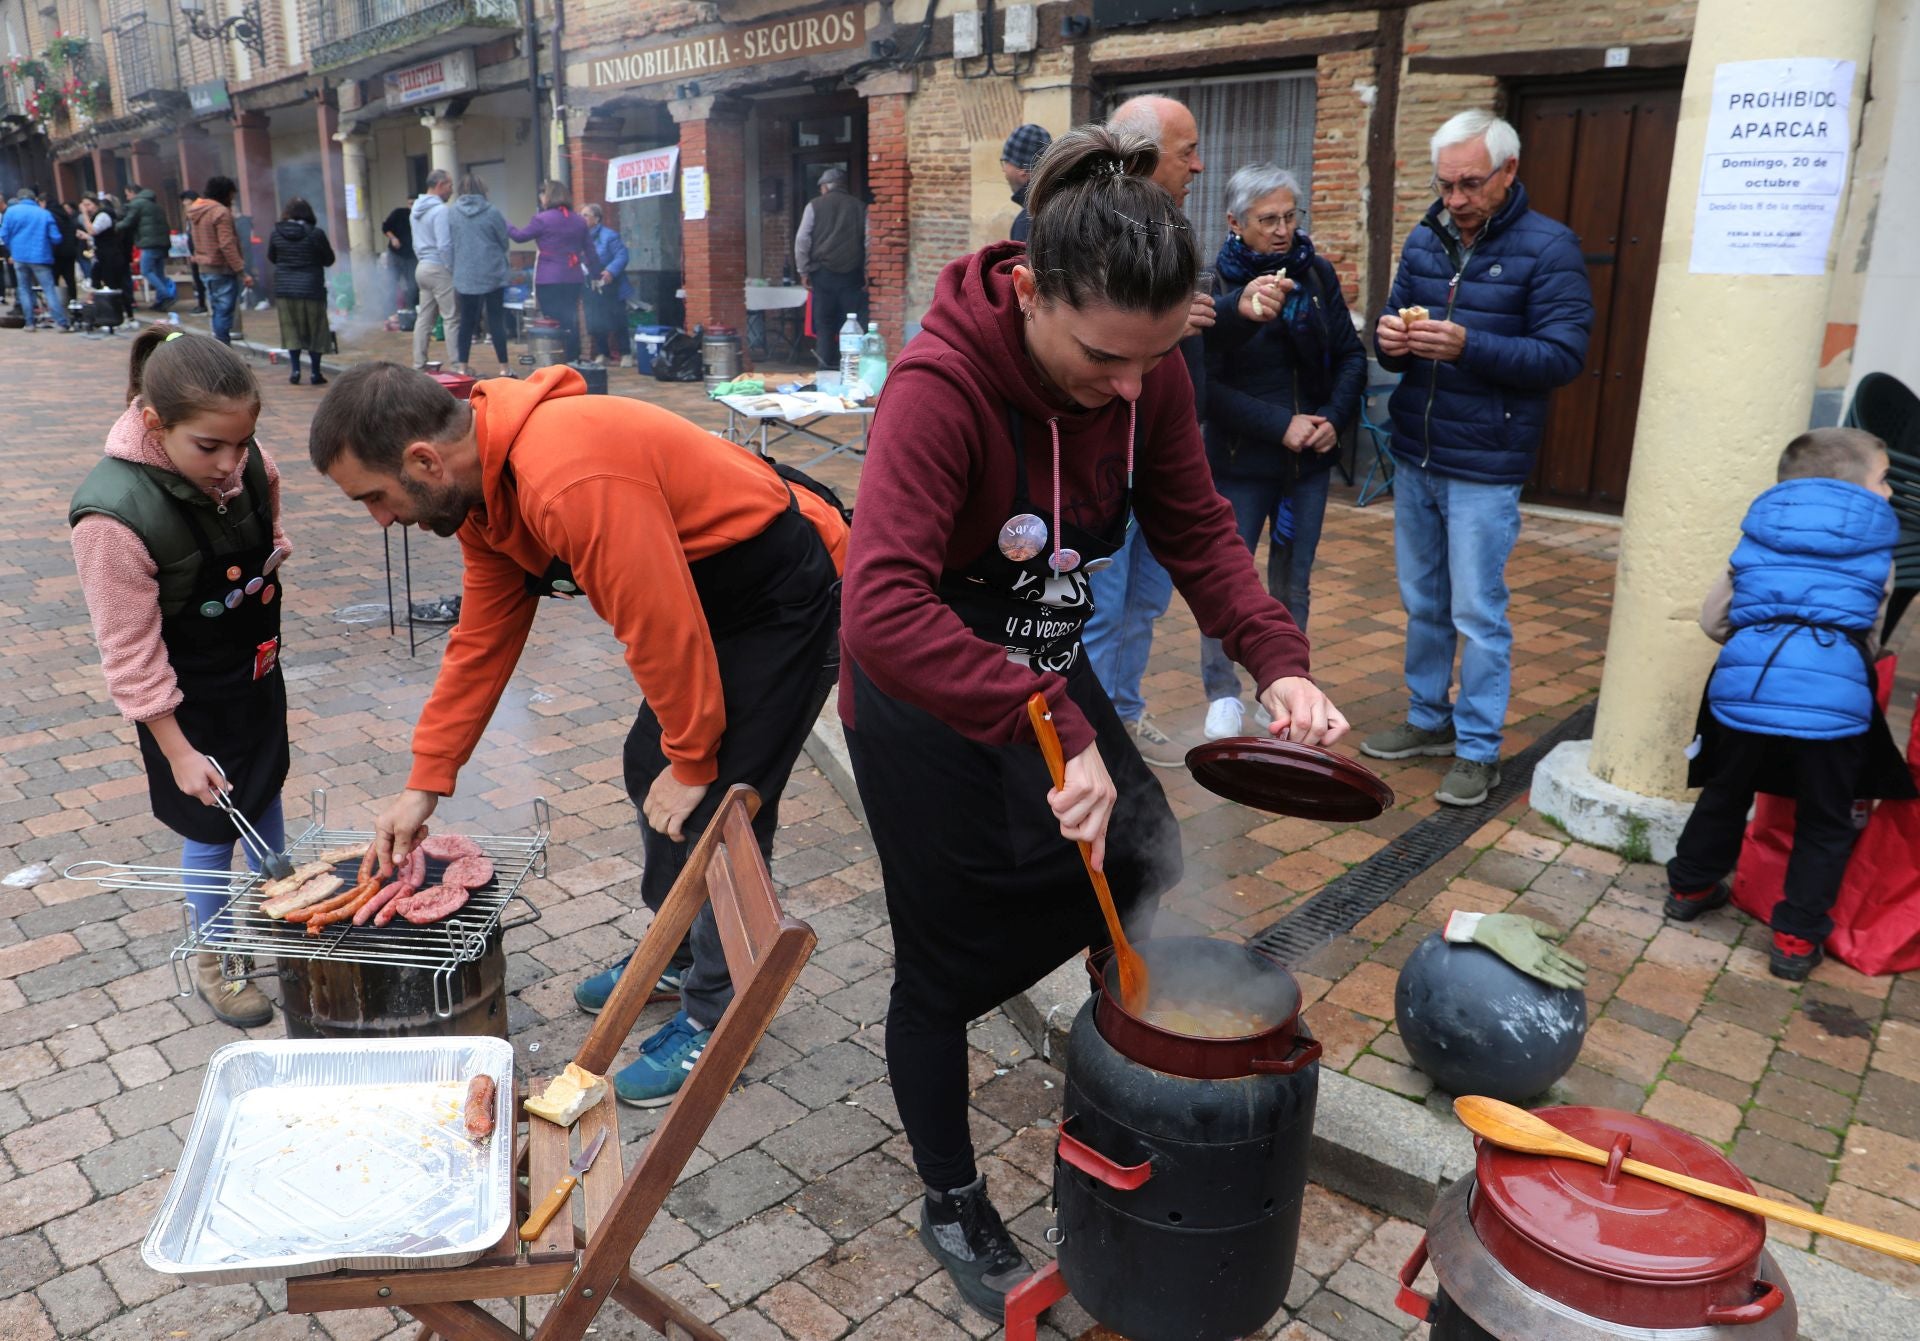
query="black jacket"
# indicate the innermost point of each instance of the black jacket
(300, 254)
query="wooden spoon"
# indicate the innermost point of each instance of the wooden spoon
(1516, 1129)
(1133, 969)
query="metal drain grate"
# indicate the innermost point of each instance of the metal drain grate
(1337, 908)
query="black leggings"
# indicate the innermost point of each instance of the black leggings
(494, 303)
(562, 303)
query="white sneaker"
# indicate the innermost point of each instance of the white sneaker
(1224, 716)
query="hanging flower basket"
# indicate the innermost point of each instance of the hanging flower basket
(67, 50)
(29, 68)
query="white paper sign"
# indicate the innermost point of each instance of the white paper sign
(693, 193)
(1775, 166)
(637, 176)
(353, 201)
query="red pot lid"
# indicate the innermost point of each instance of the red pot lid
(1287, 778)
(1631, 1228)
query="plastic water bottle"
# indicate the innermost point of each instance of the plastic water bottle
(873, 357)
(850, 350)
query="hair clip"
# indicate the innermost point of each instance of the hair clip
(174, 336)
(1138, 227)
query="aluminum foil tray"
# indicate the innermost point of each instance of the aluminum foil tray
(312, 1155)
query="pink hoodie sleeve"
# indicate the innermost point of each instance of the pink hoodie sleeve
(122, 590)
(280, 540)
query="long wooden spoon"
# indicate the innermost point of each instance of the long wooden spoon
(1133, 969)
(1517, 1129)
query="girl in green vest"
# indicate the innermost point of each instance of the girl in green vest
(176, 533)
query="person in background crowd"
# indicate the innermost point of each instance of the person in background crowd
(607, 295)
(301, 252)
(1134, 591)
(400, 258)
(433, 244)
(199, 283)
(1467, 420)
(216, 250)
(564, 264)
(146, 223)
(66, 256)
(1017, 157)
(479, 232)
(1281, 388)
(30, 235)
(1032, 423)
(830, 253)
(112, 256)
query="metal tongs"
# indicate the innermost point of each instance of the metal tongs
(274, 864)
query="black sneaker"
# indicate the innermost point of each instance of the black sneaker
(966, 1236)
(1792, 958)
(1684, 907)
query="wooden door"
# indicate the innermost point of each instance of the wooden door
(1597, 159)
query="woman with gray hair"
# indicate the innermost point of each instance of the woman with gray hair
(1282, 385)
(480, 245)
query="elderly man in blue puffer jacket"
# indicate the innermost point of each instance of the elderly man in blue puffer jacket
(1791, 706)
(1489, 312)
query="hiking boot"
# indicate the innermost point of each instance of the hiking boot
(1685, 905)
(665, 1061)
(233, 1001)
(592, 993)
(1156, 746)
(1224, 716)
(1468, 782)
(964, 1233)
(1406, 740)
(1792, 958)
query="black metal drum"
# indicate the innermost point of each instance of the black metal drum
(331, 999)
(1178, 1197)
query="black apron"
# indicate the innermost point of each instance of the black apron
(224, 646)
(985, 896)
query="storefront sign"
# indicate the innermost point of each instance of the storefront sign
(208, 97)
(637, 176)
(1775, 167)
(441, 77)
(776, 40)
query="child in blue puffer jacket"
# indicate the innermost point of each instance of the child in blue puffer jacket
(1790, 709)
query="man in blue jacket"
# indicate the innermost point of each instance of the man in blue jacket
(1489, 312)
(28, 232)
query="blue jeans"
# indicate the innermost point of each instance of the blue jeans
(223, 295)
(1127, 597)
(1287, 570)
(153, 265)
(25, 273)
(1451, 541)
(194, 856)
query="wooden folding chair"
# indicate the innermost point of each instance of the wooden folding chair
(765, 953)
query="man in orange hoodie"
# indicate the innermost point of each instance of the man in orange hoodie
(721, 582)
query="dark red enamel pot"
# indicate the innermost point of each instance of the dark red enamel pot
(1228, 974)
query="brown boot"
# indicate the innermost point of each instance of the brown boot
(238, 1003)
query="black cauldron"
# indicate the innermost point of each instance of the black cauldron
(1178, 1194)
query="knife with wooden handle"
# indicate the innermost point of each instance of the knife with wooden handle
(557, 1198)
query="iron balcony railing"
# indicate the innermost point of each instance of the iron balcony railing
(350, 31)
(145, 51)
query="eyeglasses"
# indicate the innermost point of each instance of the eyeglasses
(1277, 220)
(1466, 186)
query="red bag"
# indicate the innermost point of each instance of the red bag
(1876, 918)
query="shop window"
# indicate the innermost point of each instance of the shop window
(1243, 119)
(822, 132)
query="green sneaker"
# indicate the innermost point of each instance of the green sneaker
(1468, 782)
(1406, 740)
(665, 1061)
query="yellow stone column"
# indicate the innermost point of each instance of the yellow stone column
(1729, 380)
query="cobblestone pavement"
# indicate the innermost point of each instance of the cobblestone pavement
(794, 1217)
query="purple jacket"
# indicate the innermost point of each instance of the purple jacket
(565, 245)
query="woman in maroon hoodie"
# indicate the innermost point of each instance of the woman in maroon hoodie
(1034, 419)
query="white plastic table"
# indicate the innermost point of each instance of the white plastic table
(781, 298)
(774, 418)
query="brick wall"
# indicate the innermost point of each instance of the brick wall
(714, 249)
(1468, 27)
(592, 23)
(938, 218)
(891, 179)
(1339, 205)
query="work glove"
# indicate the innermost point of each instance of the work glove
(1522, 942)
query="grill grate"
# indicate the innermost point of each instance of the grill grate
(1337, 908)
(440, 947)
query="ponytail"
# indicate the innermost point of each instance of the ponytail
(180, 374)
(1103, 231)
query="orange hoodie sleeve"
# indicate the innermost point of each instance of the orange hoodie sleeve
(635, 575)
(496, 612)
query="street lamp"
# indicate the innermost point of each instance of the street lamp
(246, 27)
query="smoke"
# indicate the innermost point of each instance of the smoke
(373, 286)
